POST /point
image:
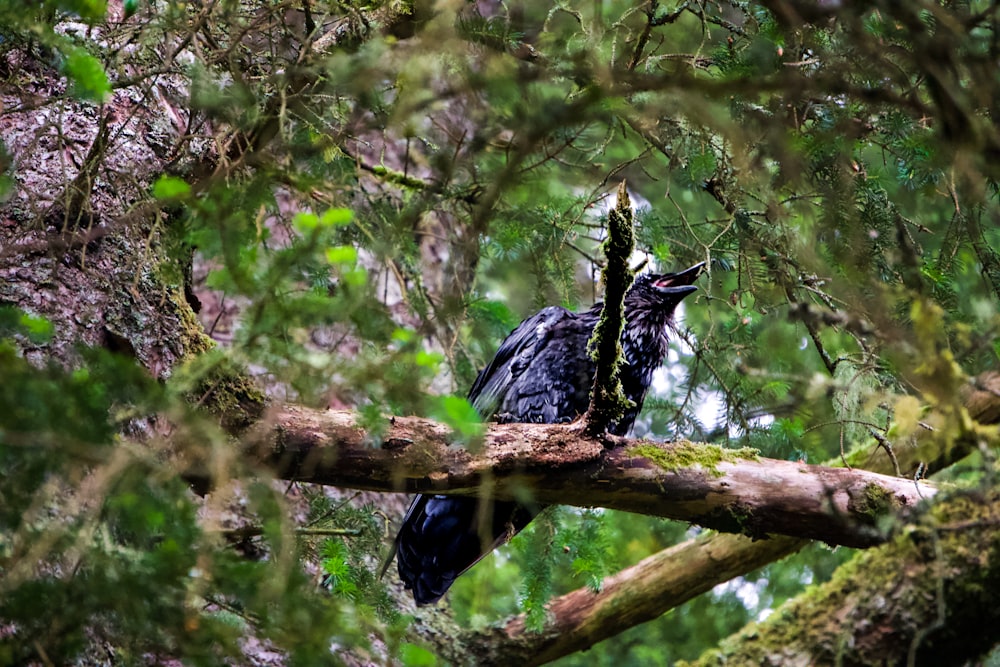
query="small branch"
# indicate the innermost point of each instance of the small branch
(635, 595)
(607, 397)
(887, 446)
(237, 534)
(653, 22)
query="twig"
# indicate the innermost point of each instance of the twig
(246, 532)
(887, 446)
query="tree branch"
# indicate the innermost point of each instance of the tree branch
(635, 595)
(729, 490)
(608, 401)
(665, 580)
(923, 599)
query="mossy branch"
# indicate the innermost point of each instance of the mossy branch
(669, 578)
(922, 599)
(607, 397)
(729, 490)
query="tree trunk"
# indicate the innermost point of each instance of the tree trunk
(927, 598)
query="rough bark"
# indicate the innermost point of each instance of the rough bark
(93, 265)
(729, 490)
(637, 594)
(674, 576)
(927, 598)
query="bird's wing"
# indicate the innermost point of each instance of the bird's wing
(513, 357)
(443, 536)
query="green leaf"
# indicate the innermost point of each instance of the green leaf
(90, 11)
(429, 360)
(355, 277)
(38, 329)
(459, 414)
(14, 320)
(305, 222)
(170, 187)
(85, 72)
(342, 254)
(404, 336)
(337, 217)
(416, 656)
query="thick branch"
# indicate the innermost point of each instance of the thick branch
(581, 618)
(731, 491)
(927, 598)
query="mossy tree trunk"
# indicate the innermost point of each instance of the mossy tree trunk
(928, 598)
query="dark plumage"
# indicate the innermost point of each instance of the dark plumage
(542, 373)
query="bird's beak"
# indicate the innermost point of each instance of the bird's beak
(680, 283)
(687, 276)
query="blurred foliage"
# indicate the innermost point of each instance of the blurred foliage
(24, 21)
(391, 189)
(99, 540)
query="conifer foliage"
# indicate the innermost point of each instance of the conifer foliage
(214, 207)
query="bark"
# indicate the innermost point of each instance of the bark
(729, 490)
(637, 594)
(92, 265)
(927, 598)
(676, 575)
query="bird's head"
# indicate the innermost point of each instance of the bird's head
(662, 291)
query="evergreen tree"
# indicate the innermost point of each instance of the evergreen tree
(213, 210)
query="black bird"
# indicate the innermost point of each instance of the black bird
(541, 374)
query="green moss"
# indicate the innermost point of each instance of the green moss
(193, 338)
(685, 454)
(608, 401)
(735, 518)
(398, 178)
(222, 388)
(899, 580)
(232, 396)
(810, 613)
(873, 504)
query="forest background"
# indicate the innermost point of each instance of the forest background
(229, 226)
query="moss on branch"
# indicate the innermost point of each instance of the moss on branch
(607, 398)
(684, 454)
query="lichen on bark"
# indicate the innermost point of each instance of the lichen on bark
(607, 398)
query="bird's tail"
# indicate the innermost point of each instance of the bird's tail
(443, 536)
